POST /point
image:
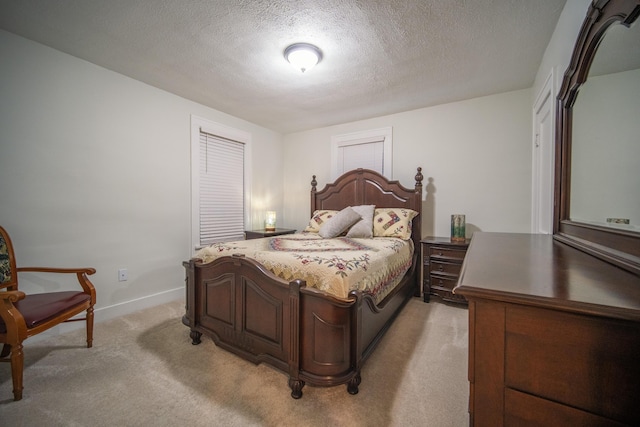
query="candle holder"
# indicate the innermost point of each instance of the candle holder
(458, 232)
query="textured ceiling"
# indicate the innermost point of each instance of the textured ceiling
(380, 56)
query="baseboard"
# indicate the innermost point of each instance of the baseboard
(116, 310)
(128, 307)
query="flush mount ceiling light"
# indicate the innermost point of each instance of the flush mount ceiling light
(303, 56)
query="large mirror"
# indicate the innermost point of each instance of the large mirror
(605, 172)
(598, 137)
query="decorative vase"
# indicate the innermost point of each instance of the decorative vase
(458, 232)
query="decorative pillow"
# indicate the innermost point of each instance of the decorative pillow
(338, 223)
(393, 222)
(318, 218)
(364, 227)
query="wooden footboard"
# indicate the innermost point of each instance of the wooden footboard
(312, 336)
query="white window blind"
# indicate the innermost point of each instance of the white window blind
(221, 189)
(371, 149)
(368, 155)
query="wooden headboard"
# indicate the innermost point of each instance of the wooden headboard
(367, 187)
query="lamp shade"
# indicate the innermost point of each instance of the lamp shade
(303, 56)
(270, 221)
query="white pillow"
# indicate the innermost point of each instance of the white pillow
(364, 227)
(338, 223)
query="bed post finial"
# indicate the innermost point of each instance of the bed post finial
(313, 183)
(419, 178)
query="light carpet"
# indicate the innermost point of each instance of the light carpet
(144, 371)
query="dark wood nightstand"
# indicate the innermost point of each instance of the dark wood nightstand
(257, 234)
(441, 263)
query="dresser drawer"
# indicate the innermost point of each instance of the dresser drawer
(451, 255)
(525, 409)
(551, 354)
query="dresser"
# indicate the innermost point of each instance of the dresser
(441, 263)
(554, 334)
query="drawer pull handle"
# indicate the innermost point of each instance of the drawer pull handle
(441, 268)
(440, 254)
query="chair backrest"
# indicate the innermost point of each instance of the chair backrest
(8, 274)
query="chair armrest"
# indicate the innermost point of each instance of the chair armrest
(81, 274)
(88, 271)
(13, 320)
(11, 296)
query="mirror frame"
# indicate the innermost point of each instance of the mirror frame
(619, 247)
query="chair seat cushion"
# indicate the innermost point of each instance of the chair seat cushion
(38, 308)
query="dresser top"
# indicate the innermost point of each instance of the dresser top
(533, 269)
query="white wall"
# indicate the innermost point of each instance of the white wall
(95, 171)
(475, 156)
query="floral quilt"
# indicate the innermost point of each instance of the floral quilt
(336, 266)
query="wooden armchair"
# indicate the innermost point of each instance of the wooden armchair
(22, 316)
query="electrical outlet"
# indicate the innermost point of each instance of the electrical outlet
(122, 275)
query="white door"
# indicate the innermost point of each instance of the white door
(543, 157)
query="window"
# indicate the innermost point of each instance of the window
(367, 149)
(219, 182)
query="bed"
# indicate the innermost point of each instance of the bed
(317, 336)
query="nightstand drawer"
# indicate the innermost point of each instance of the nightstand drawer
(447, 253)
(445, 267)
(443, 282)
(443, 285)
